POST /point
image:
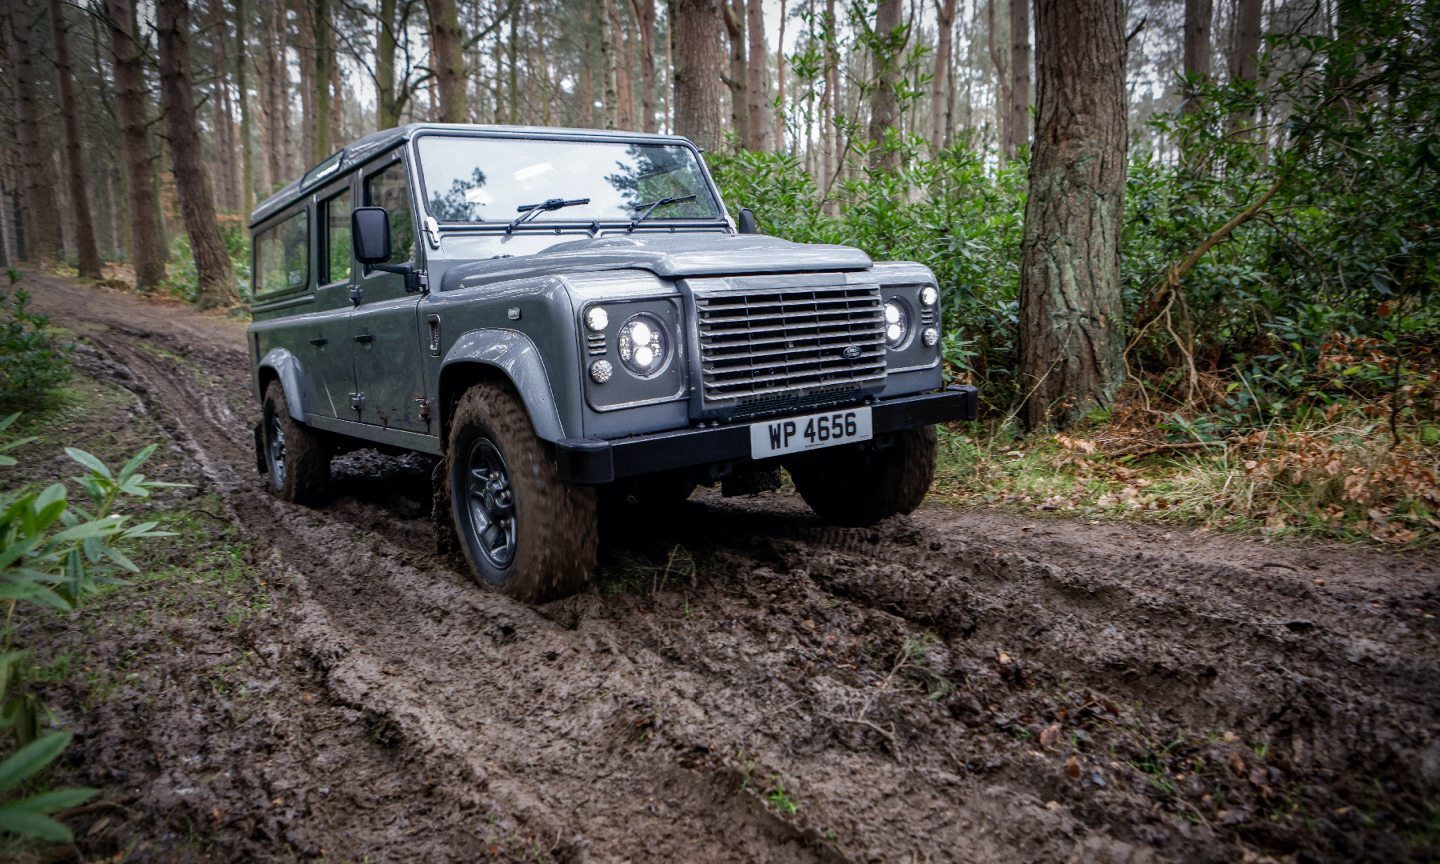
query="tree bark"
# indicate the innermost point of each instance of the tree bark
(37, 169)
(324, 72)
(147, 234)
(733, 12)
(645, 22)
(88, 251)
(757, 84)
(305, 47)
(1071, 325)
(242, 88)
(610, 87)
(698, 60)
(387, 113)
(445, 42)
(1245, 61)
(1000, 61)
(1198, 15)
(830, 101)
(779, 109)
(212, 261)
(1017, 125)
(586, 90)
(884, 107)
(944, 40)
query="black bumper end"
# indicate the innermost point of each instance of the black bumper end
(592, 460)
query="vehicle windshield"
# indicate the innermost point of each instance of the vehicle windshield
(472, 179)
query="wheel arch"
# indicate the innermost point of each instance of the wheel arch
(499, 355)
(280, 365)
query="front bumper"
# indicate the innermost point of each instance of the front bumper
(592, 460)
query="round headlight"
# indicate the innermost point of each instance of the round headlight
(597, 319)
(928, 295)
(644, 345)
(897, 324)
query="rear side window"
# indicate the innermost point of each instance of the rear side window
(336, 210)
(388, 189)
(282, 256)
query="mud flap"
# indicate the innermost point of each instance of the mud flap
(260, 449)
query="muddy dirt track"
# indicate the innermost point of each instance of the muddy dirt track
(746, 684)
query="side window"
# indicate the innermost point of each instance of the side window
(335, 267)
(389, 190)
(282, 256)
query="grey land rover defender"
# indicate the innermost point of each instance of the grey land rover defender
(570, 316)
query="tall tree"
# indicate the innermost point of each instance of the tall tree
(212, 262)
(324, 43)
(42, 210)
(734, 15)
(830, 102)
(609, 59)
(446, 39)
(757, 83)
(1245, 56)
(887, 42)
(147, 233)
(944, 39)
(698, 60)
(780, 83)
(645, 23)
(387, 111)
(1198, 14)
(1017, 125)
(242, 86)
(1071, 338)
(88, 252)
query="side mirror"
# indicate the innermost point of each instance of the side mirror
(746, 221)
(370, 235)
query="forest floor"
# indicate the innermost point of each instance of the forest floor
(742, 684)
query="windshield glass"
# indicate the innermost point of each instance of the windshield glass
(470, 179)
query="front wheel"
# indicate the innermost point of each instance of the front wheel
(297, 462)
(859, 486)
(521, 529)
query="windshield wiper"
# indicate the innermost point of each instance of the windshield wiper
(530, 211)
(649, 207)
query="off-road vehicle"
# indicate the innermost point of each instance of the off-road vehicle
(563, 316)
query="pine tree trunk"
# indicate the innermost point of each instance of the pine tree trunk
(387, 115)
(1198, 14)
(1017, 126)
(829, 103)
(884, 108)
(1000, 60)
(305, 47)
(242, 87)
(733, 12)
(945, 37)
(645, 23)
(1245, 61)
(147, 234)
(446, 41)
(37, 171)
(757, 84)
(212, 261)
(610, 87)
(274, 101)
(86, 247)
(779, 110)
(698, 60)
(1071, 319)
(586, 94)
(324, 74)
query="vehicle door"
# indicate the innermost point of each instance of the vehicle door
(384, 328)
(329, 359)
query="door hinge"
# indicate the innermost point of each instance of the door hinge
(355, 295)
(357, 401)
(424, 408)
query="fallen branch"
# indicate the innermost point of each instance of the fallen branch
(1165, 448)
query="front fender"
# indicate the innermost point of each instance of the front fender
(515, 355)
(288, 369)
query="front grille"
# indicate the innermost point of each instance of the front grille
(759, 345)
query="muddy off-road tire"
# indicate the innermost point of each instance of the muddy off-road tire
(521, 529)
(297, 462)
(859, 486)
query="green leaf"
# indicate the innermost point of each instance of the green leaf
(37, 594)
(55, 799)
(27, 823)
(89, 462)
(93, 528)
(134, 464)
(30, 759)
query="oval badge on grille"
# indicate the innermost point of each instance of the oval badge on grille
(851, 352)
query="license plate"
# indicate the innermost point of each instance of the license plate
(797, 434)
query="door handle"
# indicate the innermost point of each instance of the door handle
(364, 338)
(317, 342)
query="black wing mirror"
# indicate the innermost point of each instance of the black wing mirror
(370, 234)
(746, 221)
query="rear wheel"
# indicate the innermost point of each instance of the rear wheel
(520, 528)
(297, 462)
(862, 485)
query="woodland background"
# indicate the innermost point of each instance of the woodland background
(1235, 199)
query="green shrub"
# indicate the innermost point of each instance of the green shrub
(31, 364)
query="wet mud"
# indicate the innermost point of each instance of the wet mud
(744, 683)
